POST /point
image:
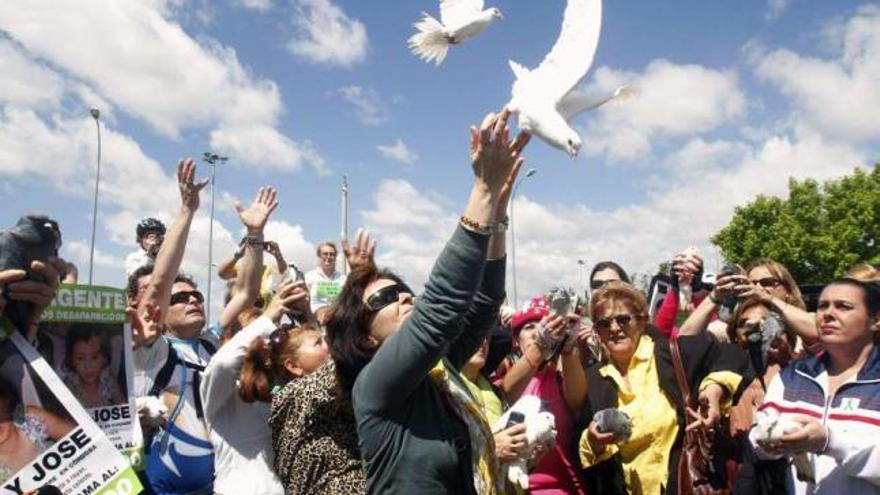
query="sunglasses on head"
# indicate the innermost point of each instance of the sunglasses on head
(768, 282)
(182, 297)
(278, 337)
(386, 295)
(604, 324)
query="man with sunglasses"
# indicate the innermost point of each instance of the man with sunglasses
(172, 348)
(324, 282)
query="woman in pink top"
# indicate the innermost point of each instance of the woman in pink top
(562, 388)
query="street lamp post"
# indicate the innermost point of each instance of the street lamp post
(96, 114)
(344, 233)
(529, 173)
(212, 159)
(581, 265)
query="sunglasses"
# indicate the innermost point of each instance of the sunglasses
(386, 295)
(768, 282)
(597, 284)
(183, 297)
(604, 324)
(279, 337)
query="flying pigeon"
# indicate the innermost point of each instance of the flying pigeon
(459, 20)
(544, 99)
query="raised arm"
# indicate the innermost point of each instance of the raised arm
(483, 312)
(170, 255)
(403, 360)
(250, 270)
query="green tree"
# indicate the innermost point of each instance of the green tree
(818, 232)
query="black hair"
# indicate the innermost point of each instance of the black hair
(8, 399)
(870, 290)
(605, 265)
(348, 326)
(131, 288)
(83, 333)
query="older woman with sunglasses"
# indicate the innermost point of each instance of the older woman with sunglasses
(828, 403)
(638, 378)
(420, 430)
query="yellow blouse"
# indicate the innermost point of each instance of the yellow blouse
(645, 457)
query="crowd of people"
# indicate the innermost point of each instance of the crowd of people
(326, 383)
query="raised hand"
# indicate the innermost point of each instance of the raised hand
(362, 251)
(189, 190)
(257, 214)
(290, 296)
(145, 326)
(493, 155)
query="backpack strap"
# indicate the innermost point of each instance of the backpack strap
(163, 377)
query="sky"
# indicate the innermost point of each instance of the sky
(733, 99)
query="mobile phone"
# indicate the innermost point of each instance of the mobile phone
(515, 418)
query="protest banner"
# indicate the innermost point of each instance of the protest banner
(51, 439)
(87, 341)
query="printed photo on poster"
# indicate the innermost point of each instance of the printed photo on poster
(46, 437)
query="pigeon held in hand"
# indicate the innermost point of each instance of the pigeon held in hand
(544, 99)
(460, 20)
(613, 420)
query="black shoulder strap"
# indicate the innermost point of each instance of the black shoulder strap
(209, 346)
(163, 377)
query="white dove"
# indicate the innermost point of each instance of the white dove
(544, 99)
(459, 20)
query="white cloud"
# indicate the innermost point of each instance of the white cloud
(398, 151)
(261, 5)
(294, 246)
(267, 147)
(369, 108)
(412, 224)
(671, 101)
(837, 96)
(78, 252)
(775, 8)
(152, 69)
(326, 35)
(698, 156)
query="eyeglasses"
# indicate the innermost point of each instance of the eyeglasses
(768, 282)
(183, 297)
(604, 324)
(386, 295)
(597, 284)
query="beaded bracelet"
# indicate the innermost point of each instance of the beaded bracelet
(492, 228)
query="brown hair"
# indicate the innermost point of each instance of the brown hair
(618, 291)
(348, 325)
(748, 304)
(263, 366)
(243, 319)
(325, 244)
(779, 271)
(84, 333)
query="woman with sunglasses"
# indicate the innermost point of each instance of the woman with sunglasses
(830, 401)
(638, 377)
(236, 390)
(419, 428)
(766, 280)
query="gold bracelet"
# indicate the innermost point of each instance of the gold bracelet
(475, 226)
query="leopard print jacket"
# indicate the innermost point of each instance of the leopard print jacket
(315, 438)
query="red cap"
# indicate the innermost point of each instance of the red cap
(537, 308)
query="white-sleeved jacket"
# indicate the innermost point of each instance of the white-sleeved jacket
(850, 464)
(239, 431)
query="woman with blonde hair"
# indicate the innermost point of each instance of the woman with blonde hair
(637, 377)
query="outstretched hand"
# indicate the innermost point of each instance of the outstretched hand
(145, 326)
(494, 156)
(189, 189)
(362, 251)
(257, 214)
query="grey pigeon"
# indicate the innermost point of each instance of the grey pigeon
(613, 420)
(34, 238)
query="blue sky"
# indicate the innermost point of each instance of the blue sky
(733, 98)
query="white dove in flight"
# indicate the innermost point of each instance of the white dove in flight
(544, 99)
(459, 20)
